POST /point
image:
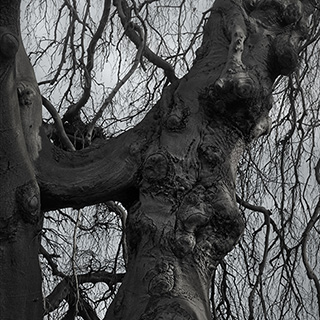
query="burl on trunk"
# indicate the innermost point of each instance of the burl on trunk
(186, 219)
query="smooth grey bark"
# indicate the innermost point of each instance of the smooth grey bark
(175, 172)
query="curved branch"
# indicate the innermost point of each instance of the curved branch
(75, 108)
(252, 207)
(59, 125)
(108, 170)
(148, 53)
(82, 178)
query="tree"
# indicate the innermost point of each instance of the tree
(174, 172)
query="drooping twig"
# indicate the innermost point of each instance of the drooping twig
(75, 108)
(120, 83)
(130, 27)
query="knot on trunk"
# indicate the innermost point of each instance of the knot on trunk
(292, 13)
(286, 55)
(9, 43)
(155, 167)
(162, 279)
(28, 200)
(26, 95)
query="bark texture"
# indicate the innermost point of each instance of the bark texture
(20, 217)
(186, 218)
(175, 172)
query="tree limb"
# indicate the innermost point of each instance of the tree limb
(108, 170)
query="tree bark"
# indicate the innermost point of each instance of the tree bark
(186, 218)
(20, 217)
(175, 172)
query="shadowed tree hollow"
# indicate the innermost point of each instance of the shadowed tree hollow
(194, 111)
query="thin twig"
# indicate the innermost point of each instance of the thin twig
(120, 83)
(74, 253)
(59, 125)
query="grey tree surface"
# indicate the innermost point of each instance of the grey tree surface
(194, 102)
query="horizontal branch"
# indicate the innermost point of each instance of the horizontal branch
(107, 170)
(76, 179)
(252, 207)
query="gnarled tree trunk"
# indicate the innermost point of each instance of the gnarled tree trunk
(175, 172)
(186, 218)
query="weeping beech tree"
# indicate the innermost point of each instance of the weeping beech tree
(174, 172)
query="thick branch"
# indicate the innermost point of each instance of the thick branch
(105, 171)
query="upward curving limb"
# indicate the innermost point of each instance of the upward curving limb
(105, 171)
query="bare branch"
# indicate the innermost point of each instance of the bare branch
(130, 28)
(58, 123)
(75, 108)
(120, 83)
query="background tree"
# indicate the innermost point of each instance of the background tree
(174, 172)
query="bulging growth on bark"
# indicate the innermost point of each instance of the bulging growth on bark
(186, 218)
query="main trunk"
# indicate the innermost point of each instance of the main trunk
(186, 219)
